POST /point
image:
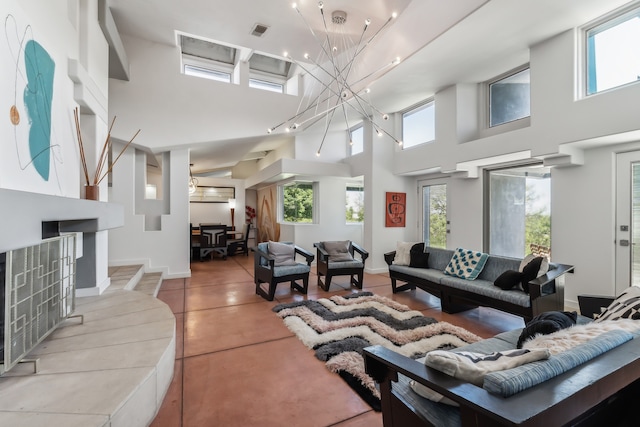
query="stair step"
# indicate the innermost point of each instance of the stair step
(149, 284)
(125, 276)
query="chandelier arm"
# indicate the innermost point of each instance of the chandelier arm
(383, 131)
(373, 37)
(332, 56)
(311, 30)
(326, 129)
(353, 58)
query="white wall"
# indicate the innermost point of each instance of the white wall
(167, 250)
(219, 212)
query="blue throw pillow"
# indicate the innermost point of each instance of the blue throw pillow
(466, 264)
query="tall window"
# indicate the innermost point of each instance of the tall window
(418, 125)
(519, 210)
(613, 52)
(354, 204)
(510, 98)
(434, 215)
(298, 202)
(356, 140)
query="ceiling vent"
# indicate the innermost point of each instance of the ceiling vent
(259, 30)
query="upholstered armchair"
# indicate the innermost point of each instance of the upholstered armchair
(340, 258)
(275, 262)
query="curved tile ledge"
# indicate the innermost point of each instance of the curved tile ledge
(113, 370)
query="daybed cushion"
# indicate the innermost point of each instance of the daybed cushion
(511, 381)
(466, 264)
(625, 306)
(338, 251)
(472, 366)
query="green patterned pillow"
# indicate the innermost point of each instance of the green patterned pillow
(466, 264)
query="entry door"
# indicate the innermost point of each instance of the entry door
(627, 220)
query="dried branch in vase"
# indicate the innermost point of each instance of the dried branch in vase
(99, 175)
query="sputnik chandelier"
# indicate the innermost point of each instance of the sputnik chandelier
(334, 77)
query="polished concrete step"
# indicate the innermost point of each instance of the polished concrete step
(111, 368)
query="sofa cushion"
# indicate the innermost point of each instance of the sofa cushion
(338, 251)
(435, 413)
(418, 257)
(625, 306)
(531, 270)
(486, 288)
(403, 253)
(430, 274)
(496, 265)
(466, 264)
(511, 381)
(438, 258)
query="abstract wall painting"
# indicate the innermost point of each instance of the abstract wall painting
(395, 209)
(31, 151)
(268, 226)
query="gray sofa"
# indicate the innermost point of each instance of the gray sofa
(593, 384)
(546, 293)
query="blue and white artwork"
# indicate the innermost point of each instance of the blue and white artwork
(37, 127)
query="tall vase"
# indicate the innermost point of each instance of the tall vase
(92, 192)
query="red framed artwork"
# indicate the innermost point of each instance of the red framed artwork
(395, 208)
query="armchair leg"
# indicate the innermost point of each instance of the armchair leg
(324, 285)
(266, 295)
(357, 281)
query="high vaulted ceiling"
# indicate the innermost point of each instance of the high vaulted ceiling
(440, 43)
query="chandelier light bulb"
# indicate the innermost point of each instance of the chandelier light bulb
(320, 5)
(397, 61)
(306, 56)
(288, 129)
(394, 15)
(335, 48)
(379, 132)
(318, 153)
(295, 126)
(385, 117)
(367, 90)
(269, 130)
(293, 5)
(367, 22)
(399, 143)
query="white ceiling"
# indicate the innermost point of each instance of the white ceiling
(441, 43)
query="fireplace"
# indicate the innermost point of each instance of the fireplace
(37, 292)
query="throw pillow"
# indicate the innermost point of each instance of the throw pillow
(625, 306)
(418, 257)
(547, 323)
(544, 265)
(466, 264)
(472, 367)
(403, 253)
(338, 251)
(283, 253)
(530, 272)
(508, 280)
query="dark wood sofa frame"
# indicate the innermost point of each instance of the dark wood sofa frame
(545, 293)
(602, 391)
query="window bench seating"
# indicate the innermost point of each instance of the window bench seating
(598, 387)
(546, 293)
